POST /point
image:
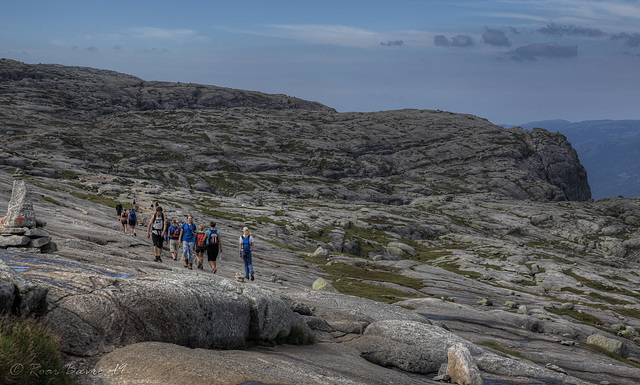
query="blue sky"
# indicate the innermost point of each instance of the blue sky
(510, 61)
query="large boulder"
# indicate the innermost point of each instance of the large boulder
(461, 367)
(609, 344)
(184, 309)
(411, 346)
(19, 295)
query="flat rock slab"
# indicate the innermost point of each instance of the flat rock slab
(161, 363)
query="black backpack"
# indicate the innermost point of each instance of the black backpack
(213, 237)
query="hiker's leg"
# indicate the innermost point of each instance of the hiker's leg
(250, 262)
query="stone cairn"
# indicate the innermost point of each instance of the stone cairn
(19, 229)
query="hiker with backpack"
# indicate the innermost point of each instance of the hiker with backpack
(166, 231)
(174, 237)
(133, 221)
(157, 226)
(201, 246)
(246, 244)
(188, 239)
(119, 210)
(214, 246)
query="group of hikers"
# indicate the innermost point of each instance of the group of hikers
(193, 240)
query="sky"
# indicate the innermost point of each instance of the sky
(510, 61)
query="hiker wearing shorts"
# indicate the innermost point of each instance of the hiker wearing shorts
(174, 237)
(157, 226)
(201, 246)
(246, 244)
(214, 246)
(188, 239)
(123, 220)
(133, 221)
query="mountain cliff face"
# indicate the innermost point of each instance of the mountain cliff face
(232, 140)
(607, 149)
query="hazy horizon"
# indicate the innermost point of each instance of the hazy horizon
(508, 61)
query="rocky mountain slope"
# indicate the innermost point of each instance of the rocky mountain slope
(250, 141)
(607, 149)
(439, 230)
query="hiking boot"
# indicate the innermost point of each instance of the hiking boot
(200, 266)
(186, 264)
(252, 278)
(190, 266)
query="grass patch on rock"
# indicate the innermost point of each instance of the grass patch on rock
(611, 300)
(95, 198)
(601, 286)
(350, 286)
(500, 348)
(29, 354)
(583, 317)
(455, 268)
(345, 270)
(606, 352)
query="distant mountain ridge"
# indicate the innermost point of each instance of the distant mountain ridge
(608, 149)
(227, 141)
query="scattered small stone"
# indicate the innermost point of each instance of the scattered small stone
(555, 368)
(322, 284)
(566, 306)
(511, 304)
(485, 302)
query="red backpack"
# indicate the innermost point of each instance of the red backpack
(201, 240)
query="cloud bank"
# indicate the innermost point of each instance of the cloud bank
(549, 50)
(495, 38)
(457, 41)
(570, 30)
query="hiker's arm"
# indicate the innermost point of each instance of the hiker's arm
(149, 228)
(180, 236)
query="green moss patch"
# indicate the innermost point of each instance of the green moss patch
(604, 351)
(502, 349)
(583, 317)
(601, 286)
(346, 270)
(95, 198)
(350, 286)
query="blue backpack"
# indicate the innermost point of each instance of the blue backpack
(132, 215)
(246, 245)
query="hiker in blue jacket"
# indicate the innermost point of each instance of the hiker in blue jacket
(245, 246)
(188, 239)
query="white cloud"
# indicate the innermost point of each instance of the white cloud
(162, 33)
(329, 34)
(610, 14)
